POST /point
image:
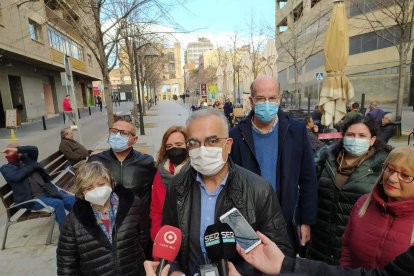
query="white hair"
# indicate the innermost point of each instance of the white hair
(203, 113)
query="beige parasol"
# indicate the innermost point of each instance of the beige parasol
(336, 87)
(270, 55)
(220, 79)
(229, 78)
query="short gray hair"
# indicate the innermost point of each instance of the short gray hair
(390, 117)
(63, 132)
(204, 113)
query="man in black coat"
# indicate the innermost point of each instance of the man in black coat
(387, 129)
(272, 145)
(212, 186)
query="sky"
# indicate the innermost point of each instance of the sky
(218, 19)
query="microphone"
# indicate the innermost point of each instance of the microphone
(167, 243)
(220, 245)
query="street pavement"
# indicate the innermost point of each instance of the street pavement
(25, 252)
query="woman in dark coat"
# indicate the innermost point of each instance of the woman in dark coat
(107, 230)
(346, 171)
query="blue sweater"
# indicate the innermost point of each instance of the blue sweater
(266, 148)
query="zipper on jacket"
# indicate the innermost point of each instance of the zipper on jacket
(390, 220)
(122, 173)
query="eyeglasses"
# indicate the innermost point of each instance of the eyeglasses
(212, 141)
(273, 99)
(123, 133)
(386, 168)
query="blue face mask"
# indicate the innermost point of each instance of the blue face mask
(118, 143)
(266, 111)
(355, 146)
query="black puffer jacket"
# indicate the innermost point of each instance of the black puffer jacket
(83, 248)
(136, 172)
(246, 191)
(335, 203)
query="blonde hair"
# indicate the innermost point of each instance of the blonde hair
(89, 173)
(394, 156)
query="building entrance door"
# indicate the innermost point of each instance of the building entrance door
(17, 95)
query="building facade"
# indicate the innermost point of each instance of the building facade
(33, 44)
(196, 49)
(372, 65)
(172, 74)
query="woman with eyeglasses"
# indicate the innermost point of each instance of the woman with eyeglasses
(381, 225)
(346, 171)
(172, 158)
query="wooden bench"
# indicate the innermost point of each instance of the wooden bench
(14, 215)
(59, 171)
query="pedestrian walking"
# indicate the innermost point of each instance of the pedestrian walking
(67, 109)
(99, 100)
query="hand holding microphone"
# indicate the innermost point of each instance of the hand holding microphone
(167, 243)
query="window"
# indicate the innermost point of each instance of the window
(64, 44)
(283, 76)
(281, 3)
(298, 12)
(34, 30)
(89, 58)
(357, 7)
(282, 26)
(1, 15)
(314, 2)
(315, 61)
(371, 41)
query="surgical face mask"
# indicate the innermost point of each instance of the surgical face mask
(99, 195)
(266, 111)
(207, 160)
(176, 155)
(355, 146)
(118, 143)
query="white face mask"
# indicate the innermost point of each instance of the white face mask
(207, 160)
(99, 195)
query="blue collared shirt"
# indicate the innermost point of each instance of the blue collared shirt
(208, 207)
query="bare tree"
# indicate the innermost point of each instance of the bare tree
(393, 21)
(255, 33)
(299, 37)
(235, 58)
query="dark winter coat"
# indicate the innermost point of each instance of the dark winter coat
(296, 177)
(335, 203)
(383, 233)
(73, 151)
(246, 191)
(386, 133)
(17, 174)
(84, 249)
(136, 172)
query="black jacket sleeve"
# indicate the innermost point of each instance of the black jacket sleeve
(401, 266)
(31, 151)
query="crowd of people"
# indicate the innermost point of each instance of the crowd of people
(347, 207)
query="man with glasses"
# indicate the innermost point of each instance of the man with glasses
(130, 168)
(271, 144)
(212, 186)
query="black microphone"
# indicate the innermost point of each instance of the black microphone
(220, 245)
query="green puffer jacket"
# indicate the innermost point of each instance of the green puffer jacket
(335, 203)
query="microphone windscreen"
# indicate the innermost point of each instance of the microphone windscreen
(220, 242)
(167, 243)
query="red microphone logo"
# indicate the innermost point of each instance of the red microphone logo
(170, 237)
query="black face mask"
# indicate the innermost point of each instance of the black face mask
(176, 155)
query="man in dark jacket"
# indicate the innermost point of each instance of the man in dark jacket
(276, 147)
(130, 168)
(212, 186)
(28, 179)
(71, 149)
(228, 111)
(387, 130)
